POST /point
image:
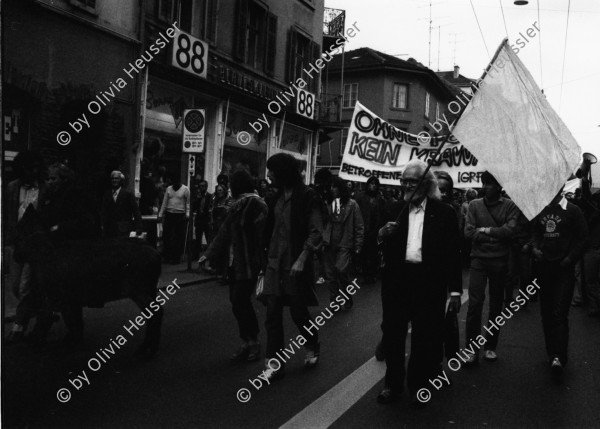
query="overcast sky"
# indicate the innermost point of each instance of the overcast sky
(402, 27)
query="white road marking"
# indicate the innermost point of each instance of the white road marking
(337, 400)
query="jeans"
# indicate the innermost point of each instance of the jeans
(337, 268)
(173, 236)
(240, 296)
(495, 270)
(592, 272)
(556, 291)
(274, 323)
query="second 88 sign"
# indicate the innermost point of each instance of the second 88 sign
(305, 103)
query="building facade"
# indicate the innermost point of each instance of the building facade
(405, 93)
(60, 61)
(233, 60)
(118, 76)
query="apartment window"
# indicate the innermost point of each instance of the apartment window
(207, 20)
(350, 95)
(426, 104)
(302, 52)
(400, 96)
(255, 41)
(195, 17)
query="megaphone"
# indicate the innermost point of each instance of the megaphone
(584, 168)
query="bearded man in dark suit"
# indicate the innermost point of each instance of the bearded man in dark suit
(422, 264)
(119, 213)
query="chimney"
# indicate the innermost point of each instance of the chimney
(456, 72)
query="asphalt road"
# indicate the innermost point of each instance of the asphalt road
(192, 384)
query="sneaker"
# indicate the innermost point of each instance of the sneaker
(320, 281)
(490, 355)
(241, 354)
(387, 396)
(312, 357)
(472, 360)
(273, 374)
(253, 352)
(556, 366)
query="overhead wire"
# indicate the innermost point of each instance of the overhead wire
(562, 79)
(503, 18)
(481, 32)
(540, 36)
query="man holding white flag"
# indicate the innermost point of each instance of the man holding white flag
(511, 128)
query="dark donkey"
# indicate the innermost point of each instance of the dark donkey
(74, 274)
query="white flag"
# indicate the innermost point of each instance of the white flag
(512, 129)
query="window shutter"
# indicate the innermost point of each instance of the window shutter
(315, 55)
(291, 66)
(211, 21)
(239, 50)
(271, 42)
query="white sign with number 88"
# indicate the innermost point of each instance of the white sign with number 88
(305, 103)
(190, 54)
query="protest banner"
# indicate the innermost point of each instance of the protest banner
(375, 148)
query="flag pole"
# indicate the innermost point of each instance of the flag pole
(487, 69)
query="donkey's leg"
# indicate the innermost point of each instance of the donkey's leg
(149, 346)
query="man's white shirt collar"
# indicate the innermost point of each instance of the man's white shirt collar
(420, 207)
(563, 203)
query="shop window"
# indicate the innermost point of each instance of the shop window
(255, 41)
(350, 95)
(400, 96)
(302, 53)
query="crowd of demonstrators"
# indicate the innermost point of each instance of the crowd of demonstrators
(372, 207)
(239, 241)
(293, 233)
(119, 212)
(343, 237)
(66, 213)
(174, 214)
(490, 225)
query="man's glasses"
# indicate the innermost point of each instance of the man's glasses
(409, 182)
